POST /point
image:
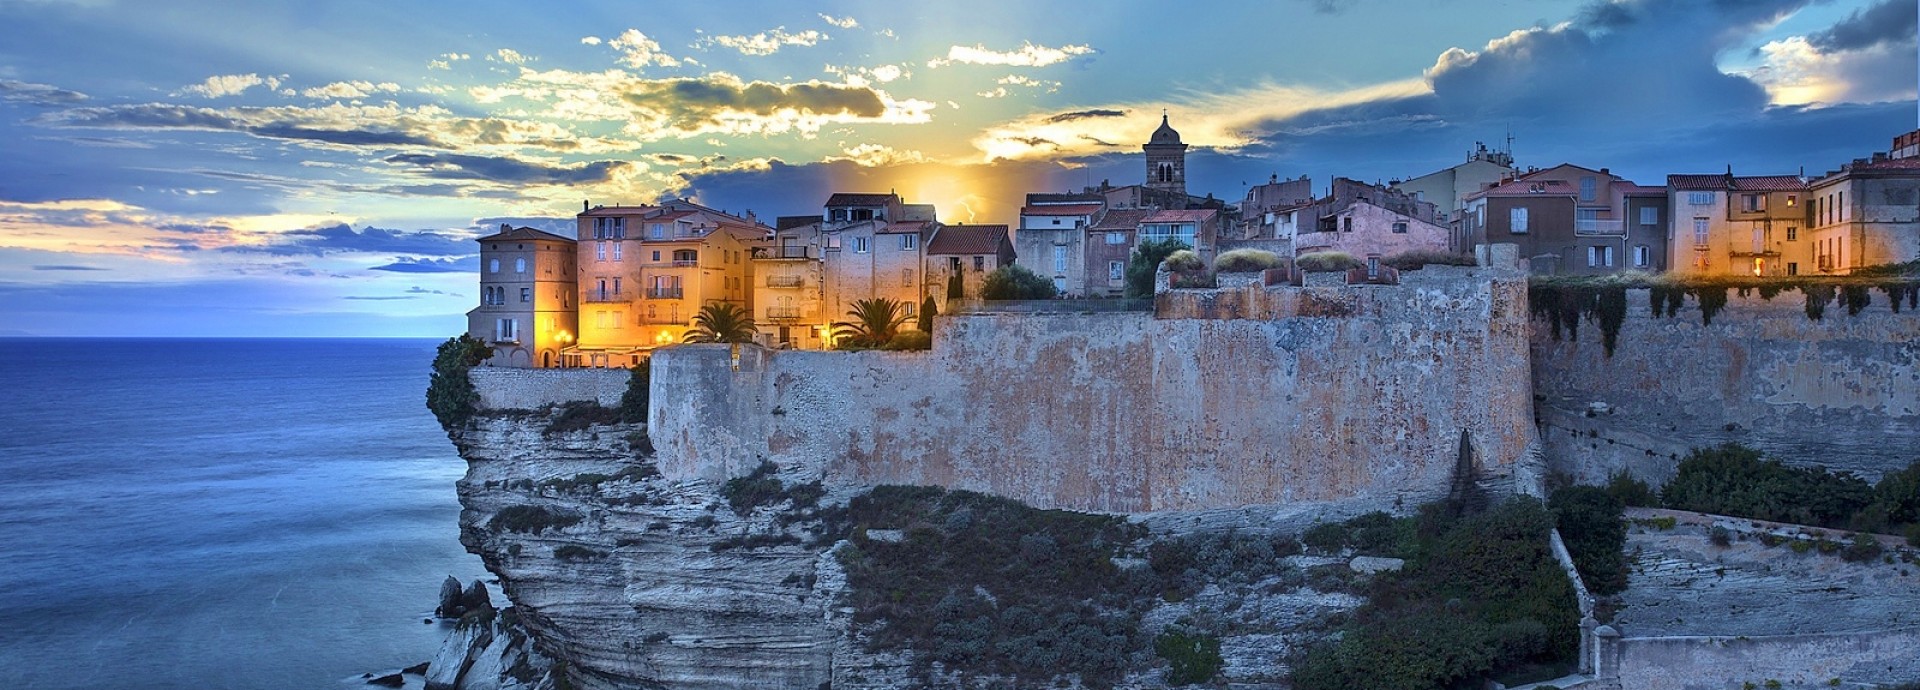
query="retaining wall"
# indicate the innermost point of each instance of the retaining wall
(508, 388)
(1795, 661)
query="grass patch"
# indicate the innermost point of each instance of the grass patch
(1326, 262)
(1245, 261)
(761, 488)
(574, 553)
(1194, 658)
(530, 520)
(1416, 259)
(578, 416)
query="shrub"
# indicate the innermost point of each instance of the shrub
(527, 519)
(450, 393)
(1862, 549)
(579, 415)
(1245, 260)
(1326, 262)
(1326, 538)
(1195, 658)
(911, 340)
(1589, 521)
(1416, 259)
(574, 553)
(756, 489)
(1720, 536)
(633, 403)
(1185, 261)
(928, 310)
(1145, 262)
(1734, 480)
(1913, 535)
(1632, 492)
(1016, 282)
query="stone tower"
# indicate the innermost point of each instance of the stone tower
(1166, 160)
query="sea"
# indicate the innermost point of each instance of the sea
(247, 513)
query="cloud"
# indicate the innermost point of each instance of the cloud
(446, 60)
(590, 40)
(66, 267)
(1330, 6)
(507, 170)
(337, 124)
(12, 91)
(877, 155)
(1085, 114)
(510, 56)
(765, 42)
(380, 298)
(469, 264)
(1890, 21)
(1796, 72)
(339, 238)
(716, 103)
(639, 52)
(1027, 55)
(847, 22)
(229, 85)
(350, 89)
(867, 76)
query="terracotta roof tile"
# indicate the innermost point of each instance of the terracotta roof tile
(1769, 183)
(1697, 183)
(524, 234)
(1062, 210)
(846, 199)
(968, 239)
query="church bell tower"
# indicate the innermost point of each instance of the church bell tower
(1166, 160)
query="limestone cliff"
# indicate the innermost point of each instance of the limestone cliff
(627, 579)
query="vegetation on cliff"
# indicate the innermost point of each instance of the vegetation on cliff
(1145, 262)
(1596, 536)
(633, 402)
(1016, 282)
(1735, 480)
(1564, 301)
(450, 393)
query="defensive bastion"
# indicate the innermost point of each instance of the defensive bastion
(1351, 395)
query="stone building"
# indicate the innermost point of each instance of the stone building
(526, 311)
(1109, 246)
(1868, 212)
(1728, 225)
(1166, 160)
(645, 271)
(790, 286)
(874, 245)
(1570, 220)
(1363, 220)
(1448, 188)
(1052, 237)
(971, 252)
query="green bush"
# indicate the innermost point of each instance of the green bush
(1863, 548)
(1590, 523)
(450, 393)
(633, 403)
(579, 415)
(530, 519)
(1913, 535)
(1185, 261)
(1245, 260)
(756, 489)
(928, 310)
(1416, 259)
(1326, 262)
(1145, 262)
(1016, 282)
(910, 340)
(1194, 658)
(1632, 492)
(1735, 480)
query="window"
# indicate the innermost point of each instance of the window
(833, 242)
(1060, 285)
(526, 294)
(1649, 215)
(1116, 238)
(616, 285)
(1400, 228)
(599, 251)
(1373, 267)
(1642, 256)
(1517, 220)
(657, 231)
(602, 319)
(618, 253)
(1700, 198)
(1059, 259)
(1056, 221)
(859, 245)
(1792, 200)
(909, 305)
(906, 277)
(1753, 203)
(1116, 271)
(953, 264)
(1606, 257)
(656, 256)
(507, 331)
(1793, 233)
(1347, 224)
(519, 265)
(1793, 268)
(609, 228)
(685, 257)
(1593, 256)
(1700, 232)
(493, 266)
(1588, 188)
(909, 242)
(979, 263)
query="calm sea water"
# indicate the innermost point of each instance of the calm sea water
(245, 514)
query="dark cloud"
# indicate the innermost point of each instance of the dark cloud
(261, 122)
(1086, 115)
(1330, 6)
(1891, 21)
(45, 95)
(343, 238)
(506, 170)
(692, 103)
(469, 264)
(67, 267)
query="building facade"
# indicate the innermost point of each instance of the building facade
(1166, 160)
(1052, 237)
(1448, 188)
(1567, 220)
(970, 252)
(1727, 225)
(645, 271)
(1867, 213)
(1109, 246)
(527, 294)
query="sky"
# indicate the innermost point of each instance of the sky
(281, 169)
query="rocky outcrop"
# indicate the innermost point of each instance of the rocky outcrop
(626, 579)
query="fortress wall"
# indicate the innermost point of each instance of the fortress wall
(1796, 661)
(1842, 392)
(1225, 398)
(510, 388)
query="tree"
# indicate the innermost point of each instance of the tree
(720, 322)
(1016, 282)
(633, 403)
(928, 310)
(872, 323)
(956, 286)
(450, 394)
(1145, 262)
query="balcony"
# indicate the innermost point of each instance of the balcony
(785, 281)
(785, 313)
(796, 252)
(606, 296)
(685, 263)
(665, 293)
(1598, 227)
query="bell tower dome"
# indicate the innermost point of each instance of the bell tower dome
(1166, 160)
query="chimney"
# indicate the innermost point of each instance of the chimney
(1605, 171)
(585, 205)
(505, 227)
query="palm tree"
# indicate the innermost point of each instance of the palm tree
(720, 322)
(875, 322)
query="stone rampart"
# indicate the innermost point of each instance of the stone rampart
(1842, 392)
(509, 388)
(1224, 398)
(1864, 659)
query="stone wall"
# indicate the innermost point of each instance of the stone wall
(1224, 398)
(504, 388)
(1842, 392)
(1795, 661)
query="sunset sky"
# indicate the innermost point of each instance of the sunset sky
(184, 168)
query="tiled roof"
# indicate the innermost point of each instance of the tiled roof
(619, 210)
(845, 199)
(1643, 190)
(1120, 219)
(1062, 210)
(1890, 164)
(1769, 183)
(1526, 187)
(524, 235)
(904, 227)
(968, 239)
(1697, 182)
(1033, 199)
(790, 222)
(1187, 216)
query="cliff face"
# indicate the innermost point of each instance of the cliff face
(622, 578)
